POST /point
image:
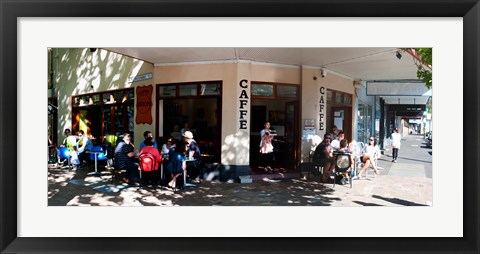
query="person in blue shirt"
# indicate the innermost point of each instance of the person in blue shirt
(148, 134)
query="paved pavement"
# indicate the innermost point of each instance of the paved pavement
(405, 183)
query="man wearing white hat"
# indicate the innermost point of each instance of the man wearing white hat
(193, 154)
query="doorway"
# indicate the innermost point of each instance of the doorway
(342, 119)
(283, 117)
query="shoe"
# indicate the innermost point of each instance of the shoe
(196, 181)
(134, 183)
(395, 161)
(125, 180)
(356, 178)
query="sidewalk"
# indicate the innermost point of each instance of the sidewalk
(405, 183)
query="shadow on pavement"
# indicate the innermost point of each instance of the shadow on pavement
(398, 201)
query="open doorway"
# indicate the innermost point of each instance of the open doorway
(283, 114)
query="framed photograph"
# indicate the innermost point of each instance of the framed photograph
(19, 122)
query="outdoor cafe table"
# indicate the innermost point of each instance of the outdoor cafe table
(96, 173)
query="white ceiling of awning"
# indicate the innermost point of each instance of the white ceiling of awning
(367, 64)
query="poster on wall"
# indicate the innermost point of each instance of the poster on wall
(144, 105)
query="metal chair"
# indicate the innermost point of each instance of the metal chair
(343, 165)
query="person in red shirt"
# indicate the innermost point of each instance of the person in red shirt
(149, 148)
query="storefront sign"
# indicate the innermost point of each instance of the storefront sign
(144, 105)
(397, 88)
(243, 102)
(322, 110)
(140, 77)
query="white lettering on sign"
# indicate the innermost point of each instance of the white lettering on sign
(243, 104)
(140, 77)
(322, 110)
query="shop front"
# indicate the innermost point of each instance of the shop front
(224, 104)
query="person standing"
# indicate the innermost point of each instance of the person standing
(396, 138)
(124, 155)
(266, 147)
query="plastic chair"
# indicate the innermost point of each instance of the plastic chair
(343, 165)
(64, 154)
(146, 165)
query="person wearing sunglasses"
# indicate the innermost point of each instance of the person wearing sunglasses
(323, 156)
(370, 154)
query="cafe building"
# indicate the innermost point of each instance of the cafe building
(223, 101)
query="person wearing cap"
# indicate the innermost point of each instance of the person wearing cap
(194, 155)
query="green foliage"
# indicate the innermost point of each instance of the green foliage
(422, 73)
(425, 73)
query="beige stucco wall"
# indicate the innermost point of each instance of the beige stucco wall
(78, 71)
(311, 83)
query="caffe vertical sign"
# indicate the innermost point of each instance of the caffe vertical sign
(144, 105)
(322, 110)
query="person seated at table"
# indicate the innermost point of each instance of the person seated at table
(84, 145)
(370, 154)
(336, 142)
(344, 150)
(124, 159)
(323, 156)
(149, 148)
(177, 164)
(169, 145)
(148, 134)
(194, 157)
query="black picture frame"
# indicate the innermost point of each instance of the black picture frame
(11, 10)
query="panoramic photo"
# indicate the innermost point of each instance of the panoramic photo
(225, 126)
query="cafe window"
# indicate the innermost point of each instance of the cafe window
(338, 98)
(188, 90)
(263, 90)
(207, 88)
(210, 89)
(287, 91)
(102, 114)
(167, 91)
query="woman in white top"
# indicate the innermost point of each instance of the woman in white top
(370, 154)
(395, 144)
(167, 147)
